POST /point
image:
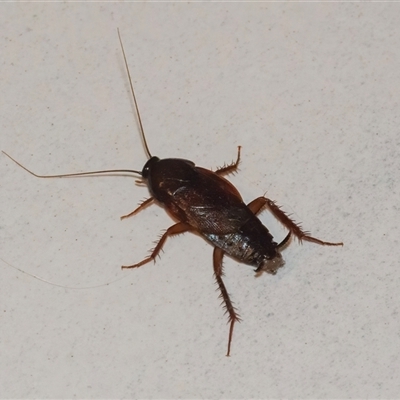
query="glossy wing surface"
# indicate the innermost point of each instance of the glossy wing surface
(211, 204)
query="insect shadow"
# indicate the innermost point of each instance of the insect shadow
(203, 201)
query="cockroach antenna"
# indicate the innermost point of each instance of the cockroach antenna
(134, 98)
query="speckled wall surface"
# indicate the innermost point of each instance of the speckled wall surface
(309, 90)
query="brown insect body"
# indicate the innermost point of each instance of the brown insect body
(214, 208)
(204, 202)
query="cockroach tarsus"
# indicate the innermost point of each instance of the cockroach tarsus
(205, 202)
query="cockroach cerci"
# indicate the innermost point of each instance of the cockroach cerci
(203, 201)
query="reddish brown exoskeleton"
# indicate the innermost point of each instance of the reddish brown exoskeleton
(204, 202)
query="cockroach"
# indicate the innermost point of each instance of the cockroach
(203, 201)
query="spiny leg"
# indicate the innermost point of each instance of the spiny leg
(256, 207)
(233, 316)
(227, 169)
(176, 229)
(295, 228)
(142, 205)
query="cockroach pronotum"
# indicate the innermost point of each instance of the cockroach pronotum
(203, 201)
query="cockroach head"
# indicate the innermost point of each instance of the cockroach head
(271, 266)
(148, 165)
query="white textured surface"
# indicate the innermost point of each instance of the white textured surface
(311, 92)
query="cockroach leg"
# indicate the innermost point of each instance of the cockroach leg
(227, 169)
(258, 204)
(176, 229)
(230, 309)
(284, 242)
(142, 205)
(256, 207)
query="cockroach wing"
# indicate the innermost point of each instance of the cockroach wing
(209, 203)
